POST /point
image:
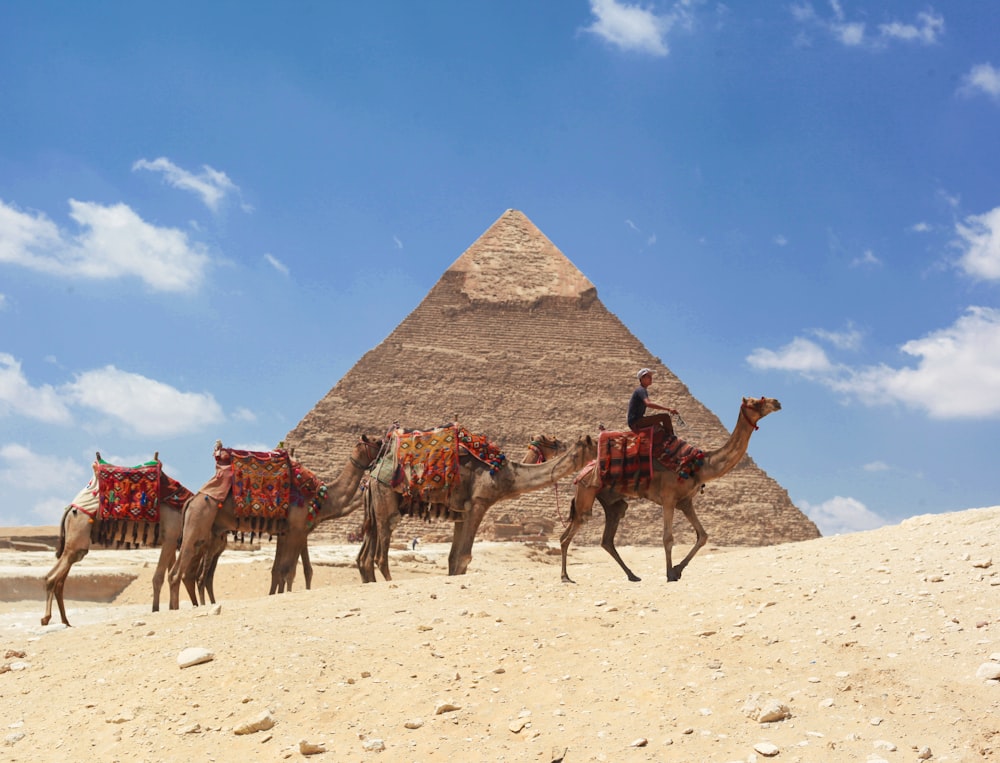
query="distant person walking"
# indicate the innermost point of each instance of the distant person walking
(663, 426)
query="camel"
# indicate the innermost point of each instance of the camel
(206, 518)
(476, 491)
(75, 538)
(670, 492)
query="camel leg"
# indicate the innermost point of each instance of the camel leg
(614, 510)
(199, 516)
(307, 568)
(687, 507)
(369, 531)
(668, 540)
(74, 545)
(286, 557)
(168, 555)
(206, 580)
(577, 516)
(464, 535)
(384, 527)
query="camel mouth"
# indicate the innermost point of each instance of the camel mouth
(777, 405)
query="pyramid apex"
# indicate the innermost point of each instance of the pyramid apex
(513, 261)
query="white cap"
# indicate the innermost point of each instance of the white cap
(642, 372)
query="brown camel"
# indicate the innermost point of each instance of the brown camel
(670, 492)
(206, 518)
(467, 503)
(79, 524)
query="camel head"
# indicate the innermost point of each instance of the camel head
(542, 448)
(366, 450)
(585, 450)
(756, 408)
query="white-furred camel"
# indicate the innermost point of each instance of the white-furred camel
(465, 502)
(667, 490)
(206, 518)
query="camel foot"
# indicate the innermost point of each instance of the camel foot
(45, 620)
(673, 575)
(566, 579)
(634, 578)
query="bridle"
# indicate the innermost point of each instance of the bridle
(743, 412)
(369, 445)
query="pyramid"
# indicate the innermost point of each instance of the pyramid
(512, 342)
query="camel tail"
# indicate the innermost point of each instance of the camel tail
(61, 545)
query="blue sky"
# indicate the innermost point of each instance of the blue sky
(210, 211)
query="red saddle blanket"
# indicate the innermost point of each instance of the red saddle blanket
(128, 493)
(625, 460)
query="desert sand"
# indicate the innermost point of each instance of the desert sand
(875, 646)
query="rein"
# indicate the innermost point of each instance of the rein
(534, 447)
(743, 413)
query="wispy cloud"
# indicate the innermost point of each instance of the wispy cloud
(638, 29)
(955, 373)
(112, 242)
(277, 264)
(840, 515)
(780, 240)
(982, 79)
(62, 477)
(210, 185)
(867, 259)
(926, 29)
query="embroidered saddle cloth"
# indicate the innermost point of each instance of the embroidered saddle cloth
(128, 493)
(625, 460)
(425, 461)
(262, 484)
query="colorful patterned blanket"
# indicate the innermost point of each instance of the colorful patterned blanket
(425, 461)
(682, 458)
(262, 483)
(129, 493)
(480, 448)
(625, 461)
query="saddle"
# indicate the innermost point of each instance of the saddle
(626, 460)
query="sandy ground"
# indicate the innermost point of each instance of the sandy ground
(874, 646)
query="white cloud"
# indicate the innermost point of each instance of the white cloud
(3, 301)
(980, 240)
(244, 414)
(982, 78)
(19, 466)
(920, 227)
(397, 242)
(17, 396)
(849, 339)
(841, 515)
(800, 355)
(113, 242)
(927, 29)
(876, 466)
(634, 28)
(210, 185)
(277, 264)
(144, 406)
(781, 240)
(956, 375)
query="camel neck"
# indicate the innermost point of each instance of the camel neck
(724, 459)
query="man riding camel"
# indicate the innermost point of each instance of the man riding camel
(663, 426)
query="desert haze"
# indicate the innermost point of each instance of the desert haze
(874, 646)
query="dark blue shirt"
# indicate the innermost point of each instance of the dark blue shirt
(637, 405)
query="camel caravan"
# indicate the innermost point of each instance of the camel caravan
(443, 474)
